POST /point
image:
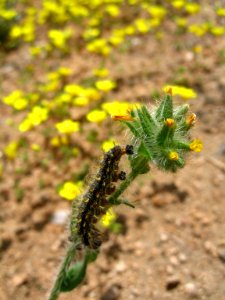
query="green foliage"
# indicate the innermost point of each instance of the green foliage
(75, 275)
(162, 137)
(162, 134)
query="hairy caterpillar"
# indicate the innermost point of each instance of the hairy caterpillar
(94, 202)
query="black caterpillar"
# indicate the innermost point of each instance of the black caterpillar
(94, 202)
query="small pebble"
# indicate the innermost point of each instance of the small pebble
(172, 283)
(5, 242)
(191, 289)
(174, 260)
(120, 267)
(163, 237)
(182, 257)
(210, 248)
(170, 270)
(60, 217)
(221, 255)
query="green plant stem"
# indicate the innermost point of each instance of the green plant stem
(70, 254)
(137, 169)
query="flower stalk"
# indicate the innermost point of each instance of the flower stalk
(161, 137)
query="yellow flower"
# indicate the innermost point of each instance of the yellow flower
(96, 116)
(184, 92)
(198, 29)
(173, 155)
(67, 126)
(129, 30)
(16, 100)
(109, 144)
(99, 46)
(35, 147)
(112, 10)
(91, 33)
(197, 48)
(109, 218)
(78, 10)
(220, 11)
(8, 14)
(25, 125)
(63, 98)
(64, 140)
(16, 32)
(10, 150)
(192, 8)
(178, 4)
(71, 190)
(59, 38)
(38, 115)
(169, 122)
(73, 89)
(156, 11)
(142, 25)
(55, 141)
(63, 71)
(182, 22)
(116, 40)
(91, 94)
(102, 72)
(35, 50)
(218, 30)
(196, 145)
(20, 104)
(81, 101)
(117, 108)
(105, 85)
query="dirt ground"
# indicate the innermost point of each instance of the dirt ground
(173, 243)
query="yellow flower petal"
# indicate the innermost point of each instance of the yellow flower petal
(96, 116)
(68, 126)
(196, 145)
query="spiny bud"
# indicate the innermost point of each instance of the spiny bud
(190, 120)
(162, 133)
(170, 122)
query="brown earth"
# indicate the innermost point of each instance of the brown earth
(173, 245)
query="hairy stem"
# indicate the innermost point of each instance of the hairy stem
(71, 251)
(138, 168)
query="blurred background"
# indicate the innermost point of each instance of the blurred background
(66, 66)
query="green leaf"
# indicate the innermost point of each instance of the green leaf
(74, 276)
(165, 110)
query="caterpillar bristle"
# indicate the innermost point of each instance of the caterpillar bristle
(94, 202)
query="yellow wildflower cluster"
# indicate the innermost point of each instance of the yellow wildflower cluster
(59, 38)
(16, 99)
(34, 118)
(86, 19)
(7, 14)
